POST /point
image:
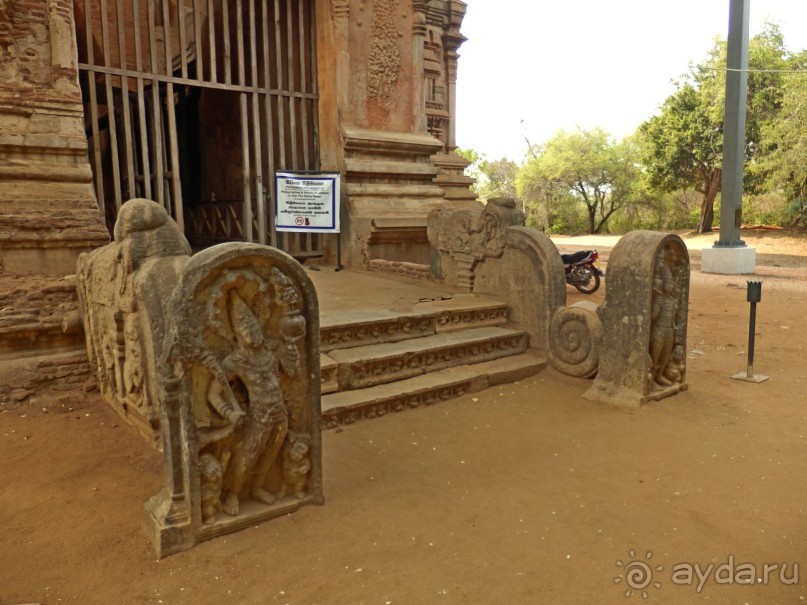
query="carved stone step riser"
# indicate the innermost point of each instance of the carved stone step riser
(405, 401)
(396, 329)
(375, 402)
(365, 373)
(451, 321)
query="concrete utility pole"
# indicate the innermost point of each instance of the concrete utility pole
(730, 254)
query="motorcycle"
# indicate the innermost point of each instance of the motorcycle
(582, 270)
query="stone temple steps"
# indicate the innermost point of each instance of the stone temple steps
(378, 362)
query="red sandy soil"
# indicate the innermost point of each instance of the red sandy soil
(525, 493)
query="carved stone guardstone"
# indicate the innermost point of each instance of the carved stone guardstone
(215, 355)
(240, 401)
(644, 320)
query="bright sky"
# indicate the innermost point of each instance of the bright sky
(533, 67)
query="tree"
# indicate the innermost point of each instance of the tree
(500, 178)
(585, 167)
(684, 149)
(684, 142)
(785, 164)
(495, 178)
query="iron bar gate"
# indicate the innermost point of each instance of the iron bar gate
(195, 104)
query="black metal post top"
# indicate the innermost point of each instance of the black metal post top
(730, 244)
(754, 291)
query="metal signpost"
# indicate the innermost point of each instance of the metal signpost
(754, 296)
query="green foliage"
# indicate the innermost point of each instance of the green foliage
(667, 176)
(765, 209)
(493, 178)
(785, 139)
(684, 142)
(672, 211)
(582, 169)
(796, 212)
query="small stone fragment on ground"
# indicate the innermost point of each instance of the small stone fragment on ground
(20, 395)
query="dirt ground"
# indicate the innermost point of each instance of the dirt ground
(526, 493)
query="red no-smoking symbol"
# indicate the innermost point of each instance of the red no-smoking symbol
(299, 220)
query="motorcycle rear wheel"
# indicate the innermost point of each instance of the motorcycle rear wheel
(592, 283)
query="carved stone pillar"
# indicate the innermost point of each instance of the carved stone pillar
(48, 212)
(341, 20)
(452, 40)
(452, 178)
(418, 85)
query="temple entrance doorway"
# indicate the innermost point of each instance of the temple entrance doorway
(196, 104)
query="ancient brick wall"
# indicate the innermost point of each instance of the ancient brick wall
(41, 338)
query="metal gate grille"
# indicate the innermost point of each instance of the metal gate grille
(195, 104)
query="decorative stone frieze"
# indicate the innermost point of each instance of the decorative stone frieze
(458, 319)
(368, 366)
(376, 327)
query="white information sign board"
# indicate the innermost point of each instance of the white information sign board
(307, 201)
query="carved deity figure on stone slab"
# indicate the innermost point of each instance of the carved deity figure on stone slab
(666, 321)
(644, 320)
(249, 420)
(124, 288)
(242, 350)
(256, 361)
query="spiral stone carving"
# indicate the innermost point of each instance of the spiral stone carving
(575, 334)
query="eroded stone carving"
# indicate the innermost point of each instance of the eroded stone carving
(488, 252)
(241, 408)
(384, 62)
(575, 336)
(217, 354)
(462, 239)
(123, 289)
(668, 327)
(644, 320)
